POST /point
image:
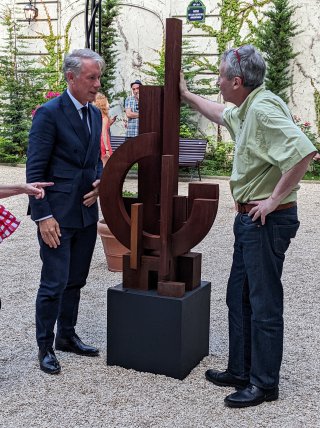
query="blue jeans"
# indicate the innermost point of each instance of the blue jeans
(255, 296)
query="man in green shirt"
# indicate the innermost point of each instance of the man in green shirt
(271, 156)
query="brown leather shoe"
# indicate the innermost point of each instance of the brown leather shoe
(48, 361)
(74, 344)
(225, 379)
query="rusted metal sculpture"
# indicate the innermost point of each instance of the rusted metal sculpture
(160, 227)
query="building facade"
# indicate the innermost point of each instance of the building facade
(141, 28)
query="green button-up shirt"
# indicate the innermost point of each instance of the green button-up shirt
(267, 144)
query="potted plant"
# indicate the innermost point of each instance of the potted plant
(113, 249)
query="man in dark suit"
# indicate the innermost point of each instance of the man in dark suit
(64, 147)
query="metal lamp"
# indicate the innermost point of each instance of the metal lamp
(30, 11)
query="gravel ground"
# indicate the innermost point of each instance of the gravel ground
(88, 393)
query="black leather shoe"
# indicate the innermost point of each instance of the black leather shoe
(225, 379)
(48, 361)
(75, 345)
(251, 396)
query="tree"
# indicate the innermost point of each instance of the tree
(156, 71)
(109, 10)
(274, 40)
(19, 93)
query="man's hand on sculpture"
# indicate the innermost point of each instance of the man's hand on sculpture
(50, 232)
(182, 85)
(91, 197)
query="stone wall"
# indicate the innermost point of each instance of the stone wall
(306, 66)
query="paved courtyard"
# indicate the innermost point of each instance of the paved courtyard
(88, 393)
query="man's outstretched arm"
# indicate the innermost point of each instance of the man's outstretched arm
(210, 109)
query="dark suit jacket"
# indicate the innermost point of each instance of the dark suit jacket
(58, 152)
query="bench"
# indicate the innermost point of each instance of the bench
(191, 152)
(116, 141)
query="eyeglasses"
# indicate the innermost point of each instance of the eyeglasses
(237, 54)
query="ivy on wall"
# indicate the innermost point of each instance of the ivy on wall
(239, 22)
(25, 83)
(316, 93)
(56, 46)
(316, 98)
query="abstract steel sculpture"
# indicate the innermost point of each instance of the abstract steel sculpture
(160, 227)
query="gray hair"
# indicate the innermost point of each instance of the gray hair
(247, 63)
(73, 61)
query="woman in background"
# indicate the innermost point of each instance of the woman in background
(103, 105)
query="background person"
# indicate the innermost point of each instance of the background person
(271, 156)
(103, 105)
(64, 146)
(132, 110)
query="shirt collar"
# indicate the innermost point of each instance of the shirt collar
(243, 108)
(76, 103)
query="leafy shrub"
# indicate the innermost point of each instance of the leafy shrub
(129, 194)
(219, 158)
(313, 172)
(307, 129)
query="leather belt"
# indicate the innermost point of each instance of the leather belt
(245, 208)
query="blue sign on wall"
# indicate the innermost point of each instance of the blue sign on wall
(196, 11)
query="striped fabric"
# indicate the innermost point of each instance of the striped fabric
(8, 223)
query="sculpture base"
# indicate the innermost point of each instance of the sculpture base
(158, 334)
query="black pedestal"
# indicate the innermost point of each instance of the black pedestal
(157, 334)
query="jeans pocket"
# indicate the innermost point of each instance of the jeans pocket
(282, 235)
(246, 220)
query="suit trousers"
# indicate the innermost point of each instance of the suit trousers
(255, 296)
(64, 272)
